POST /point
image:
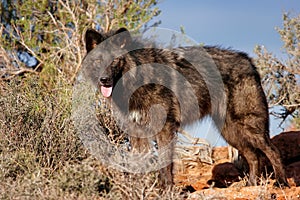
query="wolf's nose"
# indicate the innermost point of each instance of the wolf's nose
(105, 80)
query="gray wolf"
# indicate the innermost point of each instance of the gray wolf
(135, 82)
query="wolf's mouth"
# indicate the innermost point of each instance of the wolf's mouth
(106, 91)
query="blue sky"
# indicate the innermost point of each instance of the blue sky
(238, 24)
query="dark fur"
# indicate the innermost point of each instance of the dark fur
(246, 117)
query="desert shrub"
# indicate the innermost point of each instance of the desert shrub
(41, 50)
(37, 121)
(48, 35)
(280, 78)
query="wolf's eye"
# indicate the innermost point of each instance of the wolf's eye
(97, 61)
(98, 65)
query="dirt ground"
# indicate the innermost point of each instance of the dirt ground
(198, 176)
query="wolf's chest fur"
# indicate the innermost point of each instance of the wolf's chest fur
(106, 119)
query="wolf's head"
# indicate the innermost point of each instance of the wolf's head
(105, 52)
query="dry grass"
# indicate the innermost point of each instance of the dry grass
(41, 156)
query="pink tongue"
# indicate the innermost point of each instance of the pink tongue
(106, 91)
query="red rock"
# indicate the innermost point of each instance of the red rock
(224, 174)
(288, 143)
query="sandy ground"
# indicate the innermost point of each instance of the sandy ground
(198, 176)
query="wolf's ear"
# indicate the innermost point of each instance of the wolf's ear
(123, 38)
(92, 38)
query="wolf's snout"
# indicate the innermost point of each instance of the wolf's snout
(106, 81)
(106, 86)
